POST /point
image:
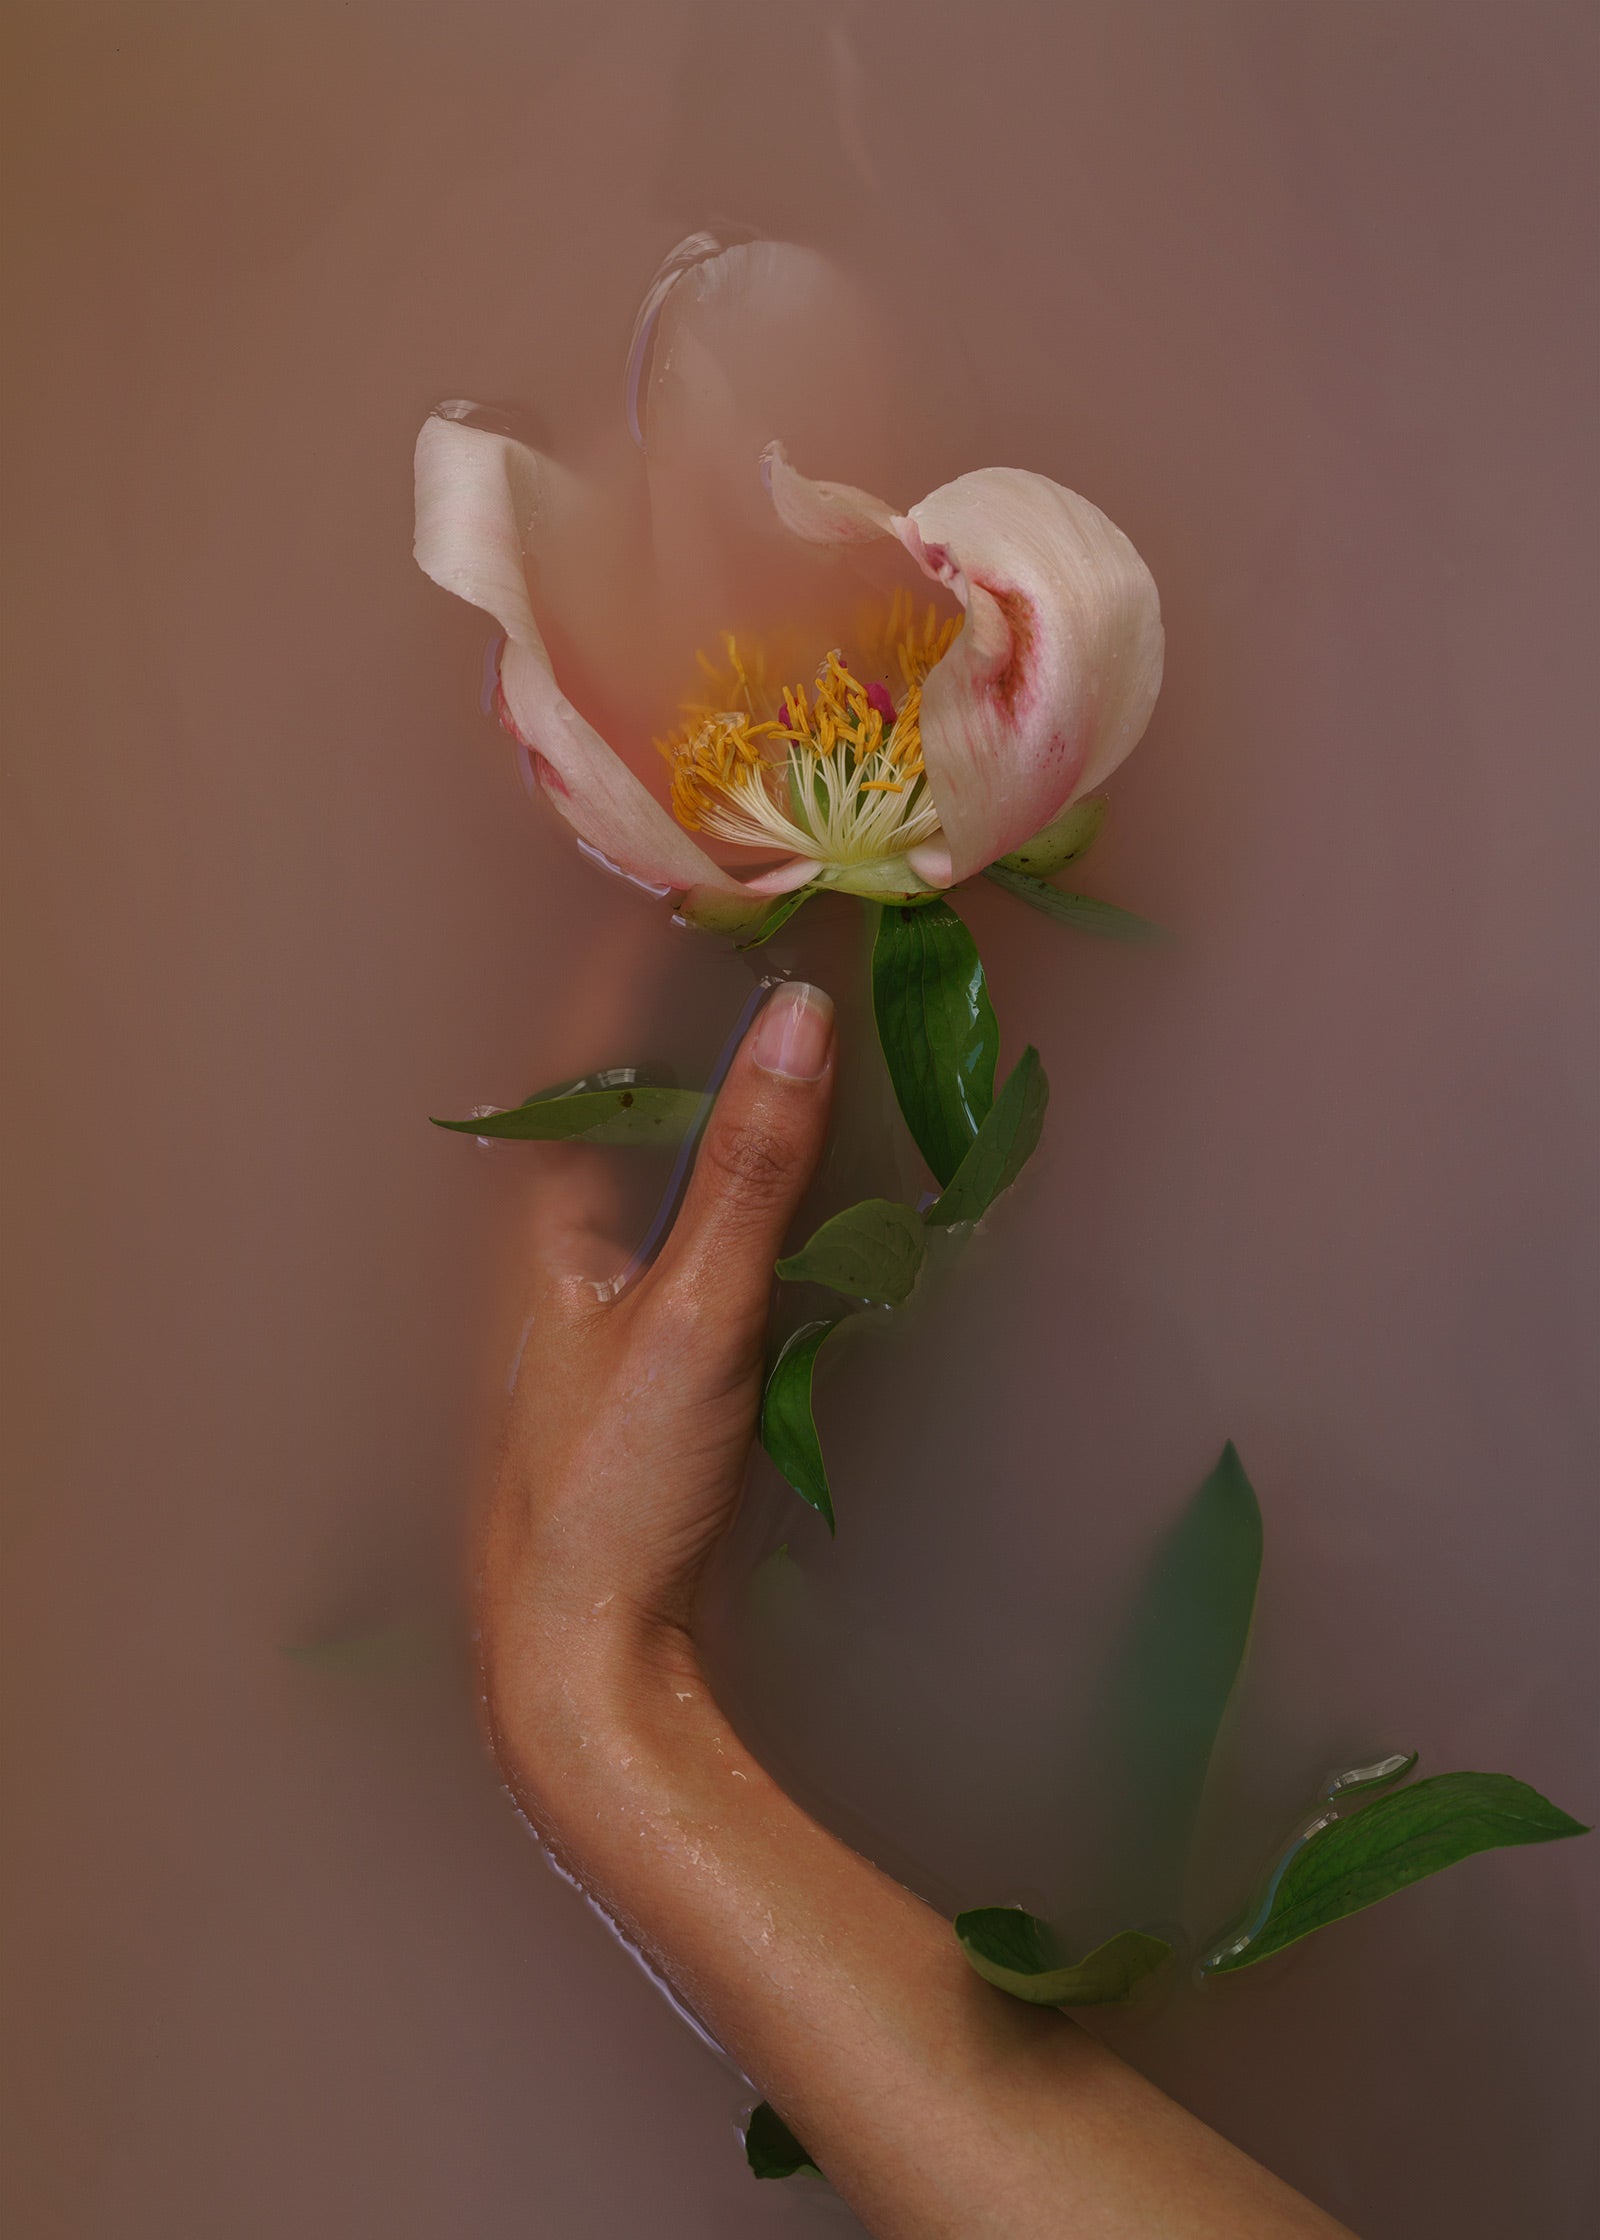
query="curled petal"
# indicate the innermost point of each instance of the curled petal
(1056, 670)
(1053, 679)
(482, 500)
(823, 512)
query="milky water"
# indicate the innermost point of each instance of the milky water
(1303, 299)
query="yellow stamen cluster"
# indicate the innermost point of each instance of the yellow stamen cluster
(823, 773)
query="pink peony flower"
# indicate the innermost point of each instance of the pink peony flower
(974, 744)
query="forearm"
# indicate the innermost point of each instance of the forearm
(936, 2105)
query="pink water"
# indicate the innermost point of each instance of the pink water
(1304, 298)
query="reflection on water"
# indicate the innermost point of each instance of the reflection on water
(1300, 299)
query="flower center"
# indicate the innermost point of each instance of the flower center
(836, 773)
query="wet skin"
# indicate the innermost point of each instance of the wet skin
(939, 2108)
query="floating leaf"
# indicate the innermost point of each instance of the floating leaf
(871, 1251)
(1341, 1866)
(937, 1027)
(1072, 835)
(1176, 1666)
(771, 2148)
(776, 918)
(639, 1114)
(788, 1428)
(1002, 1147)
(1084, 911)
(1019, 1953)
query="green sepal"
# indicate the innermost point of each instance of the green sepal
(937, 1027)
(872, 1251)
(771, 2148)
(788, 1427)
(782, 910)
(1069, 836)
(1346, 1865)
(640, 1114)
(1002, 1147)
(1017, 1952)
(1085, 911)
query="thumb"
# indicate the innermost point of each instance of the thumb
(759, 1151)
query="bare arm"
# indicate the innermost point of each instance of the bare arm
(936, 2105)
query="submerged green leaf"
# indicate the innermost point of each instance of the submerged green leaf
(1176, 1666)
(639, 1114)
(381, 1652)
(872, 1251)
(1002, 1147)
(1085, 911)
(771, 2148)
(1341, 1866)
(937, 1027)
(788, 1428)
(1019, 1953)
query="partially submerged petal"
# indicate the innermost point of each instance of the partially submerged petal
(481, 498)
(1053, 679)
(734, 344)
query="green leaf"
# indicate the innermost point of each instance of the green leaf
(937, 1027)
(1176, 1666)
(1002, 1147)
(778, 916)
(1019, 1953)
(641, 1114)
(788, 1428)
(1072, 835)
(1084, 911)
(871, 1251)
(1344, 1866)
(771, 2148)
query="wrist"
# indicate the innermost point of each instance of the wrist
(573, 1696)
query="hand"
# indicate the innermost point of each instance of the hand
(632, 1416)
(941, 2109)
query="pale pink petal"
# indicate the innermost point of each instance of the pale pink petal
(482, 500)
(1054, 676)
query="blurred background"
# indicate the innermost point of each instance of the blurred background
(1304, 299)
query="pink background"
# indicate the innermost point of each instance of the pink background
(1304, 298)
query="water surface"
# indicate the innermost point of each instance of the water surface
(1303, 298)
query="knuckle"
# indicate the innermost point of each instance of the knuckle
(753, 1157)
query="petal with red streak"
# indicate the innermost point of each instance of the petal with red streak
(1054, 675)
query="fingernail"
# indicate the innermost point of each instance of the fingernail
(792, 1035)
